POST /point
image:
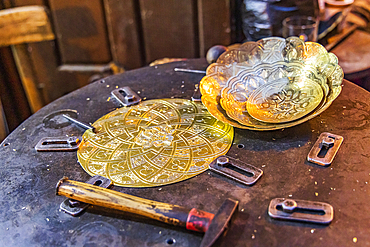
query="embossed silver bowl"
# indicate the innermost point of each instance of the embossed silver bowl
(272, 83)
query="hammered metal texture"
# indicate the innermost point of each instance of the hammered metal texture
(262, 80)
(155, 143)
(284, 100)
(231, 81)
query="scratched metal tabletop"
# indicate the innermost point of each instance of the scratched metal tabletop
(29, 208)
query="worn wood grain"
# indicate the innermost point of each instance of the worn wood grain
(354, 52)
(4, 131)
(124, 32)
(91, 194)
(17, 3)
(5, 4)
(18, 27)
(12, 95)
(169, 29)
(81, 31)
(24, 25)
(28, 77)
(214, 24)
(93, 33)
(51, 79)
(44, 59)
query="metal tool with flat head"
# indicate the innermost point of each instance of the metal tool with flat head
(220, 222)
(193, 219)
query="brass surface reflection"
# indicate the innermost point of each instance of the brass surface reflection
(271, 84)
(155, 143)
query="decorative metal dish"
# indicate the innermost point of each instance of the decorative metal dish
(271, 84)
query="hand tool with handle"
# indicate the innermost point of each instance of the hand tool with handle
(193, 219)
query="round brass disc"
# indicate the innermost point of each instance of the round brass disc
(155, 143)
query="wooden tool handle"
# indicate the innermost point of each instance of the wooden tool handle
(193, 219)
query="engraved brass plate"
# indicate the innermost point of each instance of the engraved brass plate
(246, 88)
(284, 100)
(155, 143)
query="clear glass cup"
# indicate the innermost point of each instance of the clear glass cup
(304, 27)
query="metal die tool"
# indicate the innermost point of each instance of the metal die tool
(236, 170)
(74, 207)
(79, 123)
(49, 144)
(213, 225)
(300, 210)
(126, 96)
(325, 149)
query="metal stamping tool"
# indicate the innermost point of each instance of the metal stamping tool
(79, 123)
(126, 96)
(49, 144)
(236, 170)
(325, 149)
(300, 210)
(74, 207)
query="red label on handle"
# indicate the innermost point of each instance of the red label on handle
(198, 220)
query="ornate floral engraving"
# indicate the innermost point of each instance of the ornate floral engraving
(244, 69)
(155, 143)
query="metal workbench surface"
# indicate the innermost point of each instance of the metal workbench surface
(29, 208)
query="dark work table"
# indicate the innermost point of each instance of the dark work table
(29, 208)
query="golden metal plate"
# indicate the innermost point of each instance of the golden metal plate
(155, 143)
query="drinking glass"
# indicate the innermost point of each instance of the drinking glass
(304, 27)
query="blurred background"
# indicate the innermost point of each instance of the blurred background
(80, 41)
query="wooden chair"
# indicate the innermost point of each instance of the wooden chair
(19, 26)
